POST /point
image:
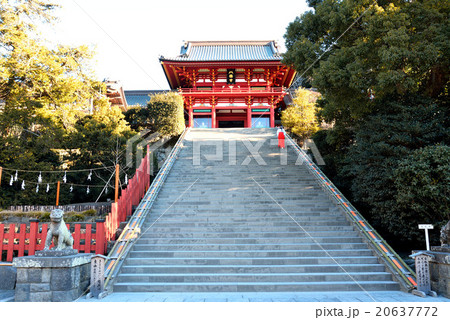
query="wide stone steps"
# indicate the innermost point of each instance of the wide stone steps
(255, 277)
(239, 213)
(312, 234)
(227, 227)
(306, 217)
(287, 205)
(248, 240)
(254, 246)
(175, 223)
(244, 228)
(224, 185)
(256, 287)
(201, 269)
(248, 253)
(239, 197)
(252, 261)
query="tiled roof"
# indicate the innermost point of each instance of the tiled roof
(228, 51)
(140, 97)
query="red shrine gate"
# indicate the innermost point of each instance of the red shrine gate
(229, 83)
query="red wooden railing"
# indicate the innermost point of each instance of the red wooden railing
(235, 90)
(18, 240)
(27, 243)
(131, 196)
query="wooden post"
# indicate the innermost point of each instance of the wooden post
(57, 192)
(87, 239)
(116, 194)
(213, 117)
(22, 237)
(191, 118)
(100, 236)
(147, 159)
(34, 225)
(2, 235)
(272, 117)
(249, 117)
(10, 247)
(1, 169)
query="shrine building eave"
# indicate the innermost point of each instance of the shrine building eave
(172, 76)
(252, 50)
(219, 55)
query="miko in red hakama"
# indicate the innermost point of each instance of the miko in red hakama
(280, 133)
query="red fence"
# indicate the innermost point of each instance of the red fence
(27, 243)
(131, 196)
(21, 240)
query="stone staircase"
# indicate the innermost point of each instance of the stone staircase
(220, 226)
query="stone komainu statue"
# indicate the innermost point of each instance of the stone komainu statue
(58, 232)
(445, 235)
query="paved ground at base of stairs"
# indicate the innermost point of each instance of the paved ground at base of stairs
(378, 296)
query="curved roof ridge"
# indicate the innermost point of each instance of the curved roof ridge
(230, 42)
(230, 50)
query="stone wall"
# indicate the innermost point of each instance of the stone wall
(440, 271)
(7, 276)
(42, 279)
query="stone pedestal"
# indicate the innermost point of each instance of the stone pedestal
(440, 270)
(52, 276)
(7, 277)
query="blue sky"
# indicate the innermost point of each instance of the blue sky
(129, 35)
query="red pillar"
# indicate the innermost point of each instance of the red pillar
(191, 118)
(34, 225)
(249, 117)
(272, 117)
(213, 118)
(100, 236)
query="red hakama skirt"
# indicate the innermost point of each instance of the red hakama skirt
(281, 140)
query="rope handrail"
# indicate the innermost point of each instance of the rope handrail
(133, 228)
(392, 259)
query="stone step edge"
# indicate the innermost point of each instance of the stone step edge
(250, 283)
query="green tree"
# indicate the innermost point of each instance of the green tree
(166, 111)
(138, 118)
(45, 90)
(395, 49)
(96, 143)
(384, 141)
(300, 117)
(36, 80)
(55, 113)
(422, 182)
(383, 71)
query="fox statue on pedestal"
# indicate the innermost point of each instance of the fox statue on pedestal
(58, 232)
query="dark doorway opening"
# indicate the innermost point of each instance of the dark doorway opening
(231, 124)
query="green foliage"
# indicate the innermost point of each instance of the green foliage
(75, 217)
(300, 117)
(96, 142)
(422, 182)
(44, 217)
(383, 141)
(384, 85)
(395, 49)
(138, 118)
(90, 212)
(56, 115)
(167, 113)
